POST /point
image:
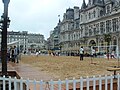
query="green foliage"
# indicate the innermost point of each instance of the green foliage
(107, 38)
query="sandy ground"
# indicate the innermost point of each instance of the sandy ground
(68, 66)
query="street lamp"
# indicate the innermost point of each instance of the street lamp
(4, 37)
(1, 22)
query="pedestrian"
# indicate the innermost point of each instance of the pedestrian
(93, 52)
(12, 55)
(81, 53)
(113, 54)
(8, 54)
(16, 54)
(37, 53)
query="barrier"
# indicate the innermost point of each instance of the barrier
(89, 83)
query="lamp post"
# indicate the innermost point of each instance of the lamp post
(117, 33)
(4, 38)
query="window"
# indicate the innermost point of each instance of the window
(101, 13)
(97, 27)
(90, 2)
(86, 31)
(94, 13)
(94, 31)
(115, 24)
(102, 29)
(89, 15)
(86, 16)
(108, 26)
(77, 25)
(108, 9)
(90, 32)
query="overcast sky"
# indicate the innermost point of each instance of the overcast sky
(37, 16)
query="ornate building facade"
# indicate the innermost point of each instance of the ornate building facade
(54, 39)
(88, 25)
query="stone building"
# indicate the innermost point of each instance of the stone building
(26, 41)
(88, 25)
(36, 42)
(54, 39)
(21, 39)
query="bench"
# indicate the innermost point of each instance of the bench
(114, 69)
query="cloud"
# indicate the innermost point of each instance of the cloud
(37, 16)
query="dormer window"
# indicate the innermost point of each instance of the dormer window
(108, 9)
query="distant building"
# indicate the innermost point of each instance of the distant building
(54, 39)
(36, 42)
(21, 37)
(25, 41)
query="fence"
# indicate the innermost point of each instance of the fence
(89, 83)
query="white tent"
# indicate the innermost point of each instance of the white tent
(13, 43)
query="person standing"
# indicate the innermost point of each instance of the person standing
(81, 53)
(12, 55)
(113, 54)
(16, 54)
(93, 52)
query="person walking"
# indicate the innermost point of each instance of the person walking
(81, 53)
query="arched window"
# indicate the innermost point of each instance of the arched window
(92, 43)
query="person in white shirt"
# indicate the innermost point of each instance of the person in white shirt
(93, 52)
(81, 53)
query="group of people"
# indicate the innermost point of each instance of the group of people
(93, 53)
(111, 55)
(13, 53)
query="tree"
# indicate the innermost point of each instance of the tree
(107, 38)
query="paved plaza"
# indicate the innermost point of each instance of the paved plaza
(26, 71)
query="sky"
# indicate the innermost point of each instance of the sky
(37, 16)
